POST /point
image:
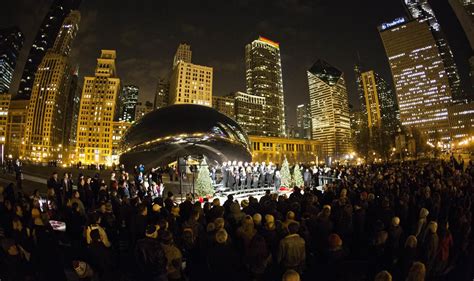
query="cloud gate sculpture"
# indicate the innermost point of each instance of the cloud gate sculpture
(164, 135)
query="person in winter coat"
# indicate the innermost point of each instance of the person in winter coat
(150, 257)
(292, 252)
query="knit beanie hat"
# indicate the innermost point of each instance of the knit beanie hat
(334, 240)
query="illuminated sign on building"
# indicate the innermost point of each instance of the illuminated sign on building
(393, 23)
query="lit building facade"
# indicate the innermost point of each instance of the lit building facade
(329, 110)
(4, 107)
(249, 112)
(379, 102)
(191, 83)
(162, 93)
(303, 121)
(143, 108)
(421, 83)
(44, 40)
(264, 79)
(97, 112)
(275, 149)
(45, 123)
(421, 11)
(461, 121)
(225, 105)
(16, 126)
(11, 41)
(118, 130)
(72, 110)
(128, 103)
(183, 53)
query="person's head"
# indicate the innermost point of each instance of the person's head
(230, 197)
(9, 247)
(293, 228)
(55, 175)
(383, 276)
(75, 207)
(247, 221)
(142, 209)
(221, 236)
(395, 221)
(95, 235)
(433, 227)
(156, 208)
(269, 222)
(219, 222)
(195, 214)
(17, 224)
(417, 272)
(290, 215)
(411, 242)
(326, 210)
(166, 237)
(334, 241)
(175, 211)
(257, 219)
(216, 202)
(424, 213)
(151, 231)
(211, 227)
(291, 275)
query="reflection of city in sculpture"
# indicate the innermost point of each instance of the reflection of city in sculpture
(162, 136)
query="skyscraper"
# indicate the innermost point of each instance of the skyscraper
(379, 102)
(421, 11)
(97, 112)
(44, 40)
(183, 53)
(45, 122)
(249, 112)
(329, 110)
(190, 83)
(303, 121)
(464, 10)
(72, 110)
(225, 105)
(11, 41)
(162, 93)
(5, 100)
(128, 103)
(264, 79)
(16, 126)
(421, 83)
(142, 109)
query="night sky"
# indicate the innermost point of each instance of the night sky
(146, 33)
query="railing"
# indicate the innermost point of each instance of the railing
(246, 192)
(322, 180)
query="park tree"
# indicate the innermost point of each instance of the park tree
(203, 183)
(297, 176)
(285, 174)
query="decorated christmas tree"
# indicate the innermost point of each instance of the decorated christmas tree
(285, 174)
(203, 185)
(297, 176)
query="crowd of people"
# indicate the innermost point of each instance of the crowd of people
(406, 221)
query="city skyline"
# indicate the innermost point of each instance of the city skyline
(301, 41)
